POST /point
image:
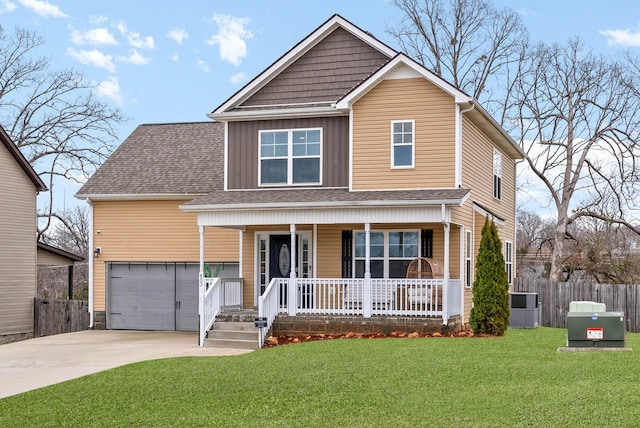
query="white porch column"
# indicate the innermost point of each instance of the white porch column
(445, 282)
(201, 318)
(292, 289)
(366, 292)
(201, 230)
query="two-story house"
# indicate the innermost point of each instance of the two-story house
(329, 177)
(19, 187)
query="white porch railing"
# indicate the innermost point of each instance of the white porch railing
(268, 306)
(396, 296)
(209, 305)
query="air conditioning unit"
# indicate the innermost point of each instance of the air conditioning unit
(525, 310)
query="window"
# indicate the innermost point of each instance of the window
(376, 255)
(497, 175)
(391, 253)
(468, 257)
(402, 139)
(289, 157)
(508, 260)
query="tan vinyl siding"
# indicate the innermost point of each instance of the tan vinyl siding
(17, 247)
(48, 258)
(404, 99)
(152, 231)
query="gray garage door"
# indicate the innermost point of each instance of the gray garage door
(152, 296)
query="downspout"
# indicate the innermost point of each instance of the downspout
(515, 234)
(458, 160)
(90, 258)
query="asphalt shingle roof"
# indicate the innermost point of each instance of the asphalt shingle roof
(176, 158)
(320, 196)
(187, 158)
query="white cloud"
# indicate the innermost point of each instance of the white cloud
(231, 38)
(110, 88)
(92, 57)
(238, 78)
(134, 39)
(135, 58)
(178, 35)
(98, 20)
(44, 8)
(624, 37)
(203, 66)
(6, 6)
(175, 56)
(95, 36)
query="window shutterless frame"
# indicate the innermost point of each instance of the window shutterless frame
(290, 157)
(497, 174)
(403, 143)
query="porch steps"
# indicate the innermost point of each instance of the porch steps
(233, 330)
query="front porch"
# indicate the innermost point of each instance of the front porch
(373, 302)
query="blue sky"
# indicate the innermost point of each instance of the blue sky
(174, 61)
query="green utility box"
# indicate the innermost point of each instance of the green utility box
(596, 329)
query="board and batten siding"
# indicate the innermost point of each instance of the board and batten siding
(404, 99)
(242, 153)
(330, 69)
(152, 231)
(18, 260)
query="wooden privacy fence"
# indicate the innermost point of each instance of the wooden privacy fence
(556, 296)
(52, 316)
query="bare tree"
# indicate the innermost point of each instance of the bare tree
(52, 116)
(577, 117)
(71, 231)
(470, 43)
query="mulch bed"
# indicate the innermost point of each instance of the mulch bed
(272, 341)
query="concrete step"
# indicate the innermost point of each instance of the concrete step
(231, 343)
(235, 326)
(232, 334)
(238, 316)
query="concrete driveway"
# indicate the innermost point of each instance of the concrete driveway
(34, 363)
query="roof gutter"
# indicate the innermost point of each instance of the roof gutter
(286, 113)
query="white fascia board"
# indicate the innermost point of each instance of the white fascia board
(138, 196)
(498, 221)
(500, 130)
(276, 113)
(296, 52)
(399, 61)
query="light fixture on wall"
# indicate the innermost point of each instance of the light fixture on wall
(97, 251)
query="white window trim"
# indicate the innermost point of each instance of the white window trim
(468, 259)
(508, 260)
(497, 172)
(413, 145)
(385, 258)
(289, 158)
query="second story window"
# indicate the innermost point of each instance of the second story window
(402, 143)
(497, 175)
(289, 157)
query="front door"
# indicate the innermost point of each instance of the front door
(280, 260)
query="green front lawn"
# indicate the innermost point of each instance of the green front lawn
(516, 380)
